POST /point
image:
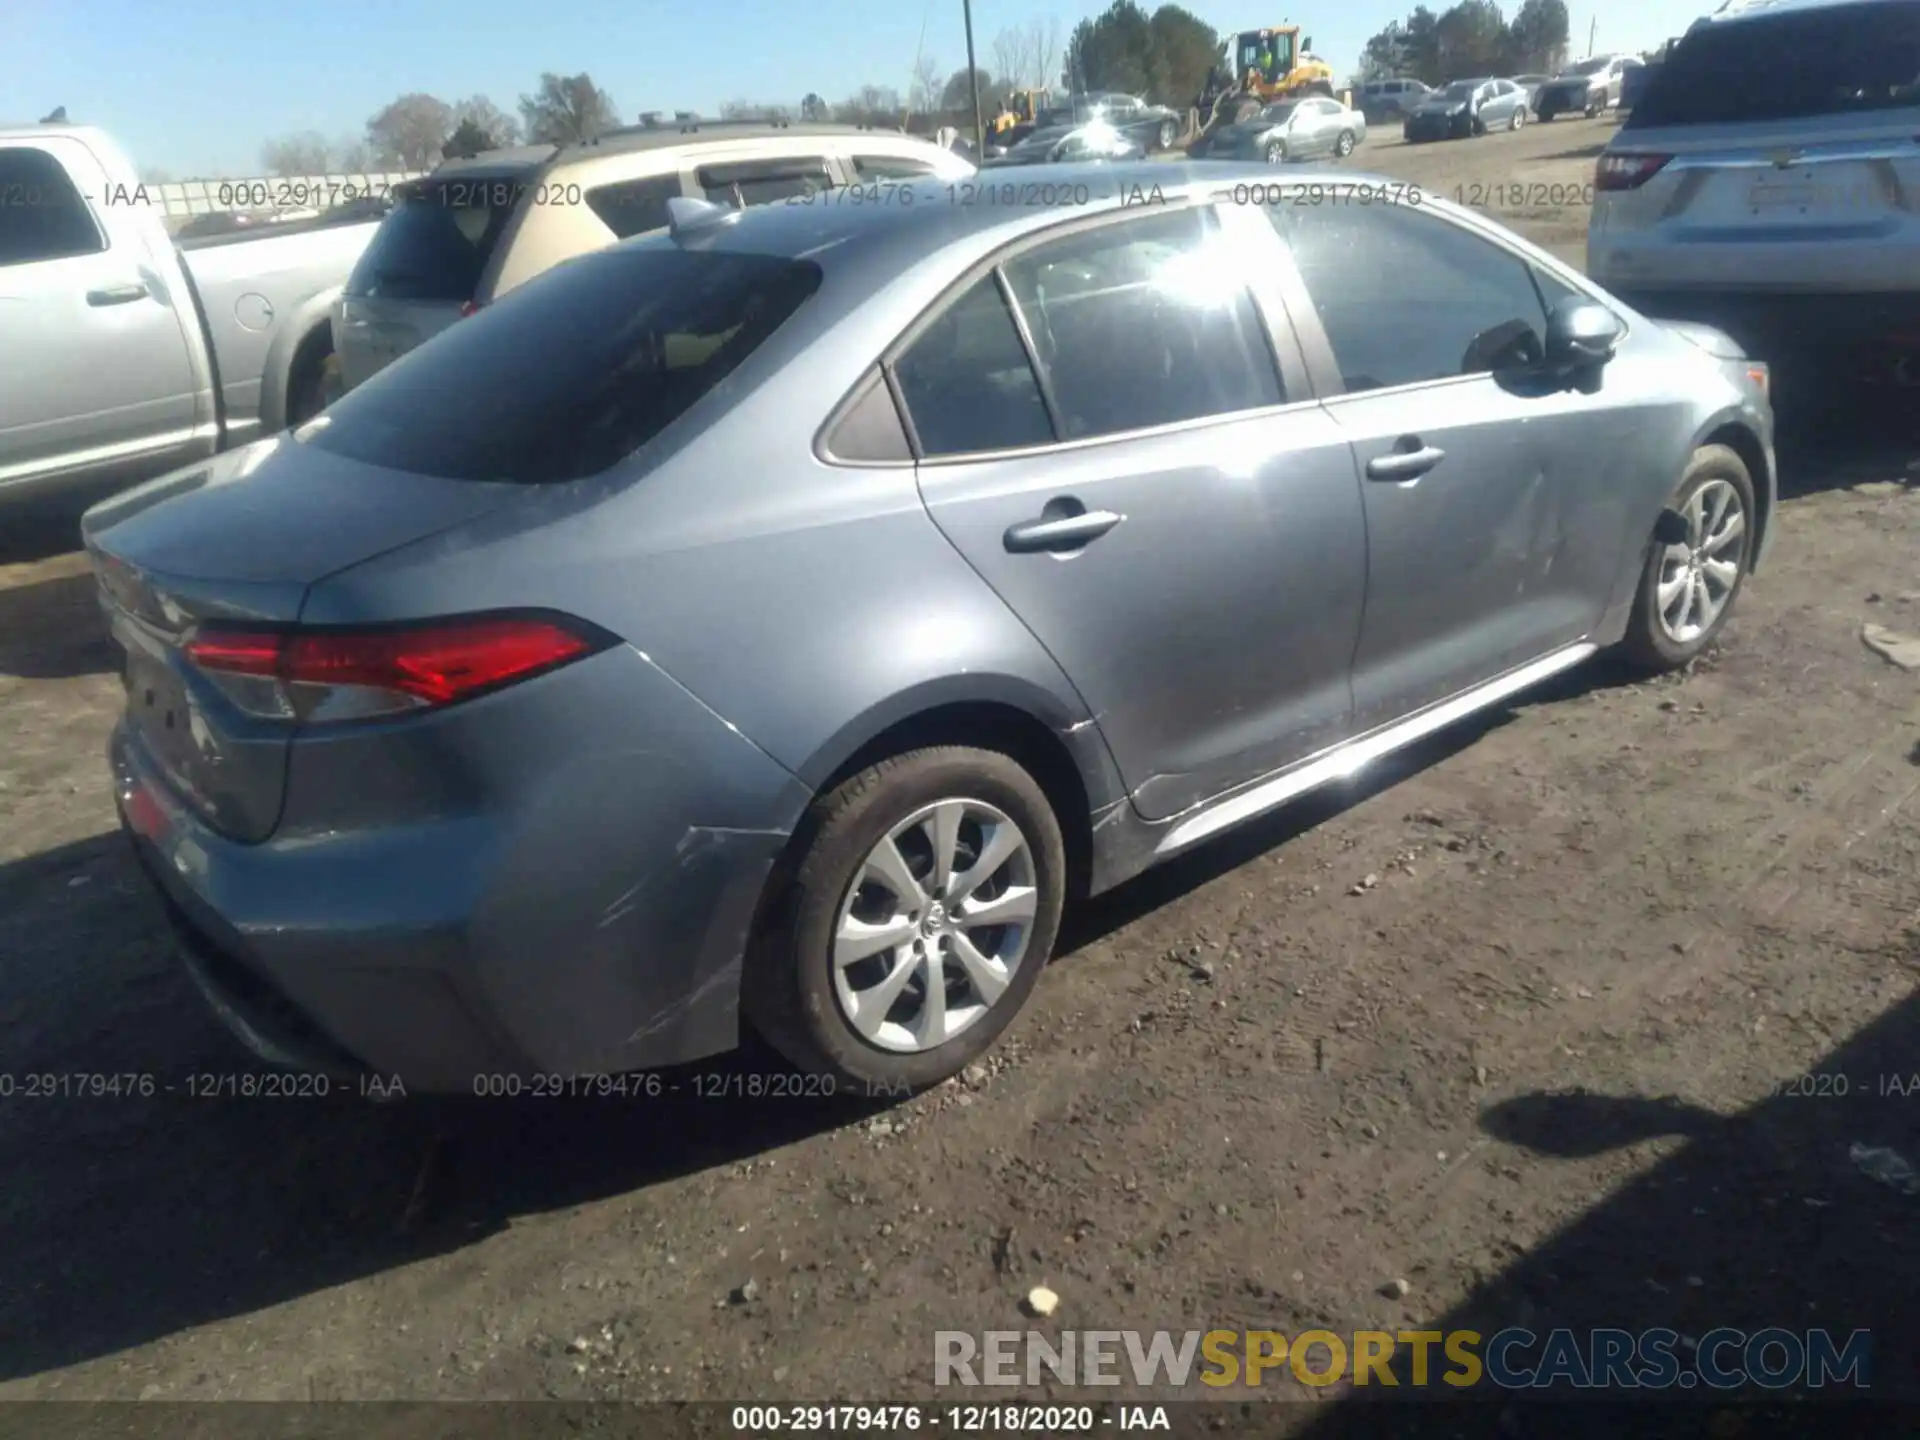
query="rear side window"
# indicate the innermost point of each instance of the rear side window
(1827, 61)
(967, 383)
(890, 167)
(1143, 323)
(42, 216)
(572, 372)
(760, 182)
(437, 239)
(634, 207)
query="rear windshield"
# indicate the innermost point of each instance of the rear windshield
(1830, 61)
(572, 372)
(436, 240)
(1585, 67)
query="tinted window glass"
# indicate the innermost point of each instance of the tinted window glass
(1143, 323)
(889, 167)
(1788, 67)
(42, 216)
(1455, 304)
(634, 207)
(436, 240)
(967, 383)
(760, 182)
(572, 372)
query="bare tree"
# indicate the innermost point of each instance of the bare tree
(304, 154)
(1043, 52)
(753, 110)
(1027, 56)
(924, 96)
(353, 156)
(1010, 57)
(488, 118)
(411, 130)
(567, 108)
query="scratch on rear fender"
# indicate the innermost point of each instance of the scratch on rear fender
(698, 843)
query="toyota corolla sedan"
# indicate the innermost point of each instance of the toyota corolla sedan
(779, 620)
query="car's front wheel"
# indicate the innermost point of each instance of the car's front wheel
(1343, 146)
(1696, 565)
(1276, 152)
(923, 907)
(1519, 118)
(1169, 132)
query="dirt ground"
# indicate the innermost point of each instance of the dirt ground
(1510, 1021)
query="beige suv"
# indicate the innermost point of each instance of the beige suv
(474, 229)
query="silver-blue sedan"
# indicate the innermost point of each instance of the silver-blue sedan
(782, 619)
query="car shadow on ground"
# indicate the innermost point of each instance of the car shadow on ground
(133, 1216)
(1754, 1220)
(178, 1207)
(51, 629)
(1830, 437)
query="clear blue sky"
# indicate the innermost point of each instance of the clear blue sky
(195, 88)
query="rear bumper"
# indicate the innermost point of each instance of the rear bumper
(1445, 128)
(577, 934)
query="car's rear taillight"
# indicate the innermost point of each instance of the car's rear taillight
(471, 307)
(329, 674)
(1626, 172)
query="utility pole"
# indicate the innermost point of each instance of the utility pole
(973, 84)
(1593, 28)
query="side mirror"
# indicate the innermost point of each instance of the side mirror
(1581, 333)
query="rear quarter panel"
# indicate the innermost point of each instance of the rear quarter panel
(262, 298)
(808, 604)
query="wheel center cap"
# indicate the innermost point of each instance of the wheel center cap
(936, 917)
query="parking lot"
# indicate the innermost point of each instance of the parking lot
(1516, 1020)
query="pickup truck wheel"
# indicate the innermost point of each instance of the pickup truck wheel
(317, 383)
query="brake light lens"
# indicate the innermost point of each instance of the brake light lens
(1627, 172)
(353, 674)
(471, 307)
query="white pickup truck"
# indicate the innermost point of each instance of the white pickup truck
(122, 355)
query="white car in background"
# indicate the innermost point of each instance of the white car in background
(1768, 183)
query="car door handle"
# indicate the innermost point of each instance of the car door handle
(1065, 532)
(118, 294)
(1404, 464)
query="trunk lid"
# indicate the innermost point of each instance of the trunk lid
(241, 538)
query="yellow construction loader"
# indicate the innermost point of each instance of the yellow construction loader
(1264, 66)
(1019, 107)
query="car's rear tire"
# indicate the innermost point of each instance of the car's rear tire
(1276, 152)
(1687, 590)
(1546, 114)
(1519, 118)
(838, 979)
(1343, 146)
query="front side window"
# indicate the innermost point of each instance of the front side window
(42, 215)
(1458, 304)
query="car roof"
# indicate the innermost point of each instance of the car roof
(1737, 10)
(892, 238)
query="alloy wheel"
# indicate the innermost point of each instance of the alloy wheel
(934, 925)
(1697, 576)
(1276, 152)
